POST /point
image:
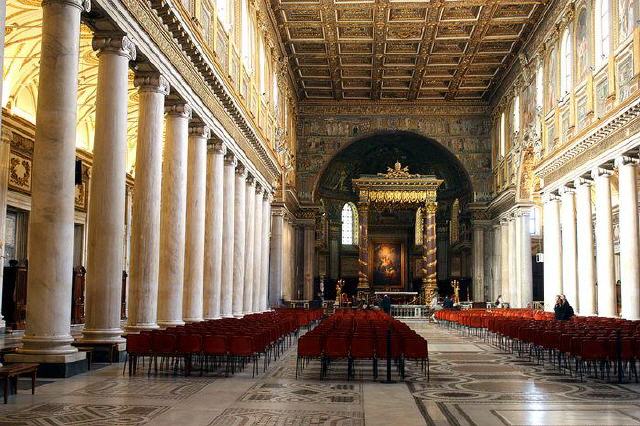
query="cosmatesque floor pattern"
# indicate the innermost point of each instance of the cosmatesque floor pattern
(472, 383)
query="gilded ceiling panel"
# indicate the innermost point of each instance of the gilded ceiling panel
(391, 49)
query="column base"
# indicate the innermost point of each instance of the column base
(53, 365)
(137, 328)
(174, 323)
(106, 336)
(212, 318)
(240, 315)
(227, 316)
(191, 320)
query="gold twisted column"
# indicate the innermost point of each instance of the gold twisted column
(363, 246)
(429, 258)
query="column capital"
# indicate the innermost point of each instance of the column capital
(601, 172)
(217, 146)
(549, 197)
(230, 159)
(251, 180)
(624, 160)
(83, 5)
(582, 181)
(152, 82)
(182, 110)
(267, 196)
(566, 190)
(117, 44)
(258, 188)
(199, 130)
(241, 170)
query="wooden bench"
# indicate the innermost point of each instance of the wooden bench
(9, 373)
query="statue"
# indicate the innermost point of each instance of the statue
(339, 284)
(456, 291)
(397, 172)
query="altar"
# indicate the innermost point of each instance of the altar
(382, 261)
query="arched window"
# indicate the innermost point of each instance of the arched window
(603, 31)
(503, 135)
(247, 37)
(516, 114)
(224, 9)
(419, 233)
(349, 224)
(566, 64)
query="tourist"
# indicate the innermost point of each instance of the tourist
(448, 303)
(499, 301)
(558, 309)
(385, 304)
(567, 309)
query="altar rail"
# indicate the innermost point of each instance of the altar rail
(410, 311)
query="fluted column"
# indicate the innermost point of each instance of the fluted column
(213, 233)
(552, 251)
(192, 308)
(249, 255)
(278, 246)
(525, 269)
(478, 263)
(309, 258)
(513, 259)
(239, 240)
(257, 249)
(504, 260)
(496, 260)
(604, 244)
(569, 248)
(229, 190)
(266, 235)
(629, 252)
(586, 258)
(145, 225)
(173, 215)
(105, 251)
(52, 187)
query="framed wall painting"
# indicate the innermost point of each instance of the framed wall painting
(387, 263)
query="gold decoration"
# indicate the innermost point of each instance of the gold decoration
(398, 172)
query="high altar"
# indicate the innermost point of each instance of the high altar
(397, 188)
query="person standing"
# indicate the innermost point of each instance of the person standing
(385, 304)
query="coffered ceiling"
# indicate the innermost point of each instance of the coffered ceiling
(388, 49)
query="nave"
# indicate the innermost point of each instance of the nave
(472, 383)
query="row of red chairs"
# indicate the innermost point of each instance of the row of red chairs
(231, 342)
(578, 345)
(362, 335)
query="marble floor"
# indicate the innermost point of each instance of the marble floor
(471, 383)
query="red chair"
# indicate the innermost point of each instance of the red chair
(309, 347)
(138, 345)
(362, 347)
(418, 349)
(214, 348)
(335, 347)
(163, 345)
(241, 348)
(187, 346)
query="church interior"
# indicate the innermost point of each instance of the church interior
(320, 212)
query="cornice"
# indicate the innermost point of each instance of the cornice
(381, 107)
(622, 124)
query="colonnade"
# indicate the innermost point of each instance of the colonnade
(200, 218)
(573, 264)
(512, 258)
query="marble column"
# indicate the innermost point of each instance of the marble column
(526, 268)
(513, 271)
(309, 258)
(250, 253)
(173, 215)
(363, 246)
(478, 263)
(517, 240)
(239, 244)
(229, 191)
(552, 251)
(429, 252)
(266, 236)
(213, 231)
(47, 336)
(629, 252)
(504, 260)
(496, 262)
(145, 224)
(604, 244)
(277, 270)
(105, 251)
(257, 248)
(5, 148)
(585, 255)
(192, 296)
(569, 246)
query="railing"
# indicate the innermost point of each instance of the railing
(410, 311)
(538, 305)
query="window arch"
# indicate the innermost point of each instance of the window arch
(419, 234)
(503, 135)
(516, 114)
(247, 36)
(349, 224)
(566, 63)
(603, 31)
